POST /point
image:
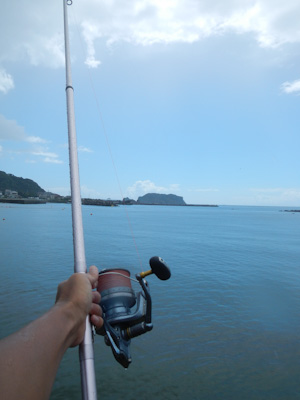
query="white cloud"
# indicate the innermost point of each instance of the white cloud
(35, 139)
(49, 157)
(6, 81)
(34, 31)
(272, 23)
(46, 51)
(44, 153)
(140, 188)
(90, 33)
(10, 130)
(276, 196)
(52, 160)
(291, 87)
(84, 149)
(87, 192)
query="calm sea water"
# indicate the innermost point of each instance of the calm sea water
(227, 323)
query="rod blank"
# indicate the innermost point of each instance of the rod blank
(86, 350)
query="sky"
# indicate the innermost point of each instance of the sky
(199, 98)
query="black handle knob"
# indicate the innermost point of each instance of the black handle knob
(160, 268)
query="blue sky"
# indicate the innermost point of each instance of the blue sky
(194, 98)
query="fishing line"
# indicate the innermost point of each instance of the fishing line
(119, 273)
(106, 138)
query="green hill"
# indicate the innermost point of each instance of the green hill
(24, 187)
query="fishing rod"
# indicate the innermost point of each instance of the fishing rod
(126, 314)
(86, 350)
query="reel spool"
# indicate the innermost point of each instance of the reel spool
(126, 314)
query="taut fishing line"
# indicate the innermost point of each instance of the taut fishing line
(104, 132)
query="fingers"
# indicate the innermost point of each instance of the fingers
(96, 310)
(93, 276)
(96, 315)
(97, 321)
(96, 297)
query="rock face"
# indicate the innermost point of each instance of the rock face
(161, 199)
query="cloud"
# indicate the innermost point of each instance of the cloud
(87, 192)
(90, 33)
(10, 130)
(35, 139)
(6, 81)
(44, 154)
(271, 23)
(38, 38)
(291, 87)
(276, 196)
(47, 51)
(32, 33)
(142, 187)
(52, 160)
(49, 157)
(84, 149)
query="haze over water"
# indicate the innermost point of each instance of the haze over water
(226, 325)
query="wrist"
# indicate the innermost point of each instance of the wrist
(71, 321)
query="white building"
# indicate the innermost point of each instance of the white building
(12, 194)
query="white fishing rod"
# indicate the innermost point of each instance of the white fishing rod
(86, 350)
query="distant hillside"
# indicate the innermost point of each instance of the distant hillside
(161, 199)
(24, 187)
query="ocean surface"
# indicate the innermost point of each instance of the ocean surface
(227, 323)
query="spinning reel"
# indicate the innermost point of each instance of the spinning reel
(123, 321)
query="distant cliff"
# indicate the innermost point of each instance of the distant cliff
(24, 187)
(161, 199)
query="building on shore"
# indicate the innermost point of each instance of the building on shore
(11, 194)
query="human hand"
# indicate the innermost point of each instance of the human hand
(77, 299)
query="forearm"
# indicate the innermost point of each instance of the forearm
(30, 357)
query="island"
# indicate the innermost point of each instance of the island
(161, 199)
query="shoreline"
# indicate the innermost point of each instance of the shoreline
(23, 201)
(97, 202)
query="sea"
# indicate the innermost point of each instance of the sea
(226, 324)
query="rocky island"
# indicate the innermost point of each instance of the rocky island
(161, 199)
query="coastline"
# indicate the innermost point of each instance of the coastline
(22, 201)
(97, 202)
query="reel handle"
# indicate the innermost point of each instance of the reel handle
(159, 268)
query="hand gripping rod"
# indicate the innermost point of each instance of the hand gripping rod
(86, 350)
